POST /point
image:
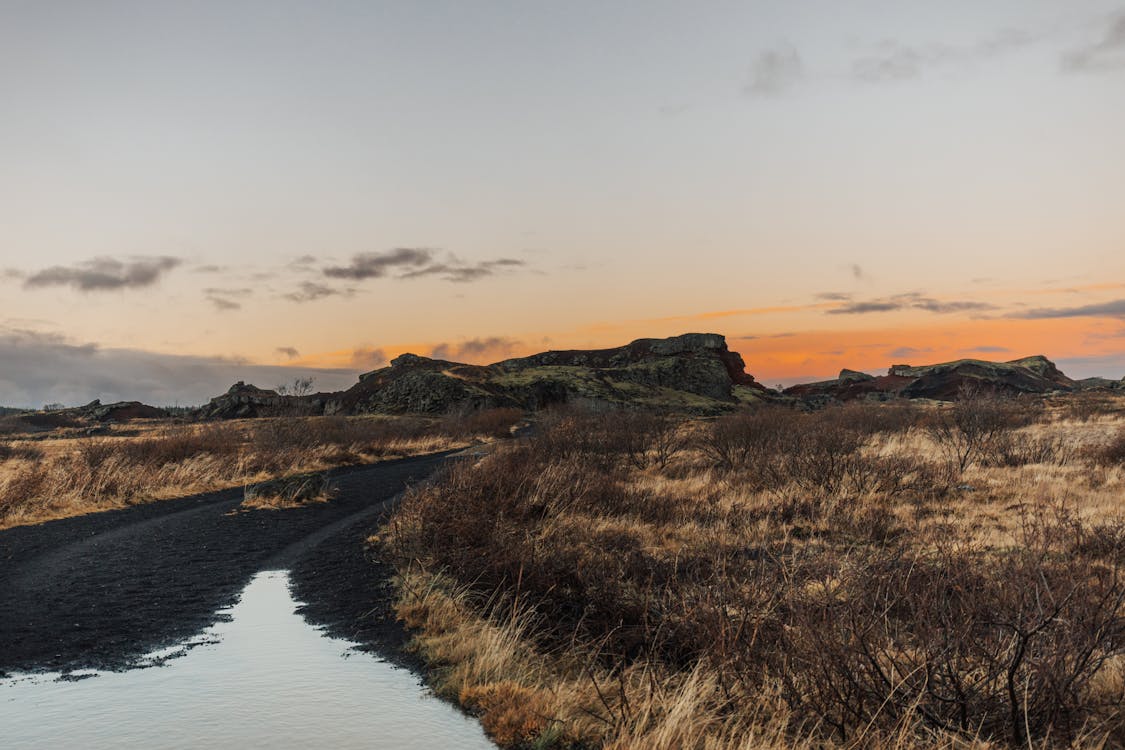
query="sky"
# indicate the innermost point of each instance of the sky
(198, 193)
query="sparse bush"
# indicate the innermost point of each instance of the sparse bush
(19, 451)
(818, 578)
(1112, 453)
(1004, 646)
(969, 428)
(1010, 449)
(496, 423)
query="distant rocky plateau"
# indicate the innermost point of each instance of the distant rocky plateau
(693, 373)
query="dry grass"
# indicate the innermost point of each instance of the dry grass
(282, 502)
(837, 579)
(64, 474)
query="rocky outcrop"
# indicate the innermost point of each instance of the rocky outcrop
(1099, 384)
(944, 381)
(419, 385)
(694, 372)
(122, 411)
(242, 401)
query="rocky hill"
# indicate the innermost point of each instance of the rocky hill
(942, 381)
(695, 372)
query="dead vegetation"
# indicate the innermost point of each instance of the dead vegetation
(63, 474)
(868, 575)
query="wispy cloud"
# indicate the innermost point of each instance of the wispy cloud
(986, 349)
(1112, 309)
(288, 352)
(104, 274)
(910, 301)
(227, 299)
(368, 358)
(460, 272)
(774, 72)
(310, 291)
(908, 351)
(414, 263)
(896, 61)
(492, 347)
(377, 265)
(1105, 53)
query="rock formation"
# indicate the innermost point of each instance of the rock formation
(695, 372)
(942, 381)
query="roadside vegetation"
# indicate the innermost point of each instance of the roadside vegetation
(883, 575)
(66, 472)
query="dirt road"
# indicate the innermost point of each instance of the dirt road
(103, 589)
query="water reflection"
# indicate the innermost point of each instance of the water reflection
(263, 679)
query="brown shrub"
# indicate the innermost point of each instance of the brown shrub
(969, 429)
(19, 450)
(1110, 454)
(824, 594)
(497, 423)
(1004, 646)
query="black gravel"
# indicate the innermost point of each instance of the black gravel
(100, 591)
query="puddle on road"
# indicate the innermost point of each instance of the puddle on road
(263, 679)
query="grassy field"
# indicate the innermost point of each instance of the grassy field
(64, 472)
(888, 575)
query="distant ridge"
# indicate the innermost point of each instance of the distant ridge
(693, 373)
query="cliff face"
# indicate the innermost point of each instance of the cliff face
(695, 372)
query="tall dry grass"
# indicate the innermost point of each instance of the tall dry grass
(57, 477)
(852, 577)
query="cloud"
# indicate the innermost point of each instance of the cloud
(774, 72)
(895, 61)
(1113, 309)
(226, 299)
(857, 270)
(461, 273)
(909, 301)
(988, 349)
(1103, 365)
(907, 351)
(859, 308)
(368, 358)
(938, 306)
(210, 268)
(415, 263)
(377, 265)
(834, 296)
(310, 291)
(288, 352)
(1107, 53)
(104, 274)
(490, 348)
(43, 367)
